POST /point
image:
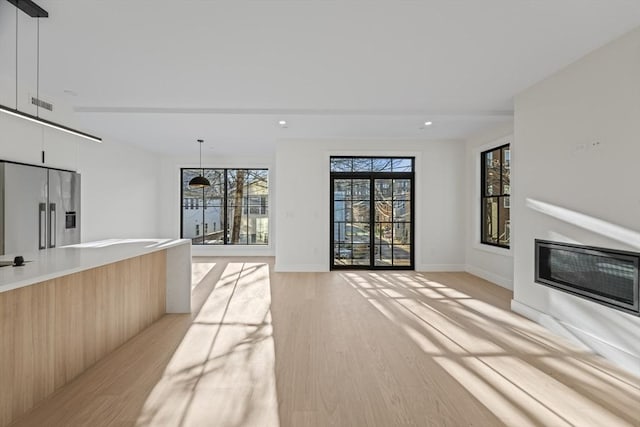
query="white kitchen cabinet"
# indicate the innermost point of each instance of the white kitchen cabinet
(23, 141)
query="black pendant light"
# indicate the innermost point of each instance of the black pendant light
(200, 181)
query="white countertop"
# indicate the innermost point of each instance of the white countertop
(51, 263)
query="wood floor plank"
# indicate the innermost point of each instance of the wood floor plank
(343, 349)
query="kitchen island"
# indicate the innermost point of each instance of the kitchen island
(68, 307)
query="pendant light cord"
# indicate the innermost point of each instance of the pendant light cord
(38, 72)
(16, 58)
(37, 66)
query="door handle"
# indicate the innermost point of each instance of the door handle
(52, 225)
(42, 226)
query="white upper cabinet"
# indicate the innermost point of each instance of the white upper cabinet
(23, 141)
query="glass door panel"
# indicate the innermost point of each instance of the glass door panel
(351, 222)
(392, 222)
(360, 243)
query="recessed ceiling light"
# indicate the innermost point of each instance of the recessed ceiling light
(283, 123)
(428, 123)
(70, 92)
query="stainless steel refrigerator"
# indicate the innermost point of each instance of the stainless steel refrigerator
(39, 208)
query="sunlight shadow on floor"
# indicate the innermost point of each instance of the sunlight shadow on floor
(517, 370)
(222, 373)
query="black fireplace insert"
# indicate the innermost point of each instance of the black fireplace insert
(606, 276)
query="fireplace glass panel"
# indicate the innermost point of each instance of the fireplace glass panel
(595, 273)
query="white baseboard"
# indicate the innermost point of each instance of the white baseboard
(583, 339)
(505, 282)
(439, 267)
(324, 268)
(300, 268)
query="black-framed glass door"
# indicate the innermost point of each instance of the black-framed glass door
(372, 214)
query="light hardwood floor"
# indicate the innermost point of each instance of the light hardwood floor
(344, 349)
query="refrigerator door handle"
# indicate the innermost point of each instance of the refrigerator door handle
(42, 226)
(52, 225)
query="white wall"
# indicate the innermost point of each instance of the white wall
(119, 182)
(302, 238)
(120, 193)
(491, 263)
(169, 182)
(576, 145)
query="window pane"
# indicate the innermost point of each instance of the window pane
(359, 232)
(341, 254)
(381, 165)
(214, 195)
(506, 157)
(344, 260)
(341, 164)
(236, 226)
(257, 182)
(402, 233)
(360, 189)
(504, 229)
(188, 192)
(384, 189)
(192, 224)
(362, 164)
(213, 229)
(340, 232)
(384, 233)
(371, 164)
(401, 189)
(506, 171)
(383, 211)
(383, 255)
(257, 229)
(360, 212)
(236, 186)
(492, 173)
(490, 220)
(341, 211)
(342, 189)
(402, 210)
(401, 165)
(360, 253)
(401, 255)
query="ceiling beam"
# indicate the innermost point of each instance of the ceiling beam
(298, 111)
(30, 8)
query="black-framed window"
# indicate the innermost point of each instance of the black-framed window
(372, 212)
(234, 210)
(495, 191)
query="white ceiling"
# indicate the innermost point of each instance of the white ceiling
(160, 74)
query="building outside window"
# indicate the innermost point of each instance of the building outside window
(233, 210)
(495, 191)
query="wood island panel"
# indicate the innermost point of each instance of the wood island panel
(52, 331)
